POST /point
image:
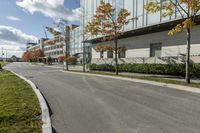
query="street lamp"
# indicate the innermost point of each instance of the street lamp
(67, 36)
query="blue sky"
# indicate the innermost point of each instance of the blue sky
(23, 20)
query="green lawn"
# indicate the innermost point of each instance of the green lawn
(2, 63)
(19, 106)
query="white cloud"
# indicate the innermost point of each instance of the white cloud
(14, 40)
(51, 8)
(15, 35)
(13, 18)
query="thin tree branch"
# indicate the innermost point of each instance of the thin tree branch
(177, 8)
(178, 4)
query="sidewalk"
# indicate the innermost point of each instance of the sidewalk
(62, 66)
(170, 77)
(80, 68)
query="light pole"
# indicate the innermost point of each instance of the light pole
(2, 53)
(83, 26)
(83, 52)
(67, 36)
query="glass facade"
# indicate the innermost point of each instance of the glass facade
(138, 15)
(75, 41)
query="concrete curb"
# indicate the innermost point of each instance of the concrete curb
(46, 121)
(171, 86)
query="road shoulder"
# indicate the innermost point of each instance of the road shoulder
(168, 85)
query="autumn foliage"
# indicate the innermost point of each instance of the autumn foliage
(26, 56)
(61, 58)
(106, 23)
(188, 10)
(57, 36)
(69, 59)
(32, 56)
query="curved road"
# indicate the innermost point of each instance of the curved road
(89, 104)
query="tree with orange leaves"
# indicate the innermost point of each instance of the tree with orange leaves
(69, 58)
(61, 58)
(188, 9)
(26, 56)
(32, 55)
(106, 23)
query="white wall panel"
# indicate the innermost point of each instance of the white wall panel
(139, 46)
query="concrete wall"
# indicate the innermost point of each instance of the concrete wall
(139, 46)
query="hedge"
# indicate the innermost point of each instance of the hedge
(161, 69)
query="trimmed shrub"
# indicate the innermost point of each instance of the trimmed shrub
(161, 69)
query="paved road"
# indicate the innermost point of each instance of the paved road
(89, 104)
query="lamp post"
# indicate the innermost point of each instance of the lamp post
(67, 36)
(2, 53)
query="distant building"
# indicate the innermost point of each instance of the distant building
(54, 50)
(76, 45)
(14, 59)
(56, 46)
(36, 46)
(31, 46)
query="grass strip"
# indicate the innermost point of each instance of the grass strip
(19, 107)
(2, 63)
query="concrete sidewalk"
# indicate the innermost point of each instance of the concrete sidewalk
(62, 66)
(80, 68)
(171, 77)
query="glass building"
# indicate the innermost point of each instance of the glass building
(146, 34)
(76, 45)
(138, 15)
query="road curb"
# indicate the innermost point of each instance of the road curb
(171, 86)
(46, 121)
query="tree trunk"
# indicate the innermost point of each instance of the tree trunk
(116, 58)
(187, 75)
(84, 62)
(66, 60)
(67, 64)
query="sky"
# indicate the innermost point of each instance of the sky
(23, 21)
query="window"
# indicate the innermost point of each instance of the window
(122, 54)
(155, 49)
(101, 54)
(110, 54)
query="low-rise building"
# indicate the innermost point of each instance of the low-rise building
(36, 46)
(54, 50)
(56, 46)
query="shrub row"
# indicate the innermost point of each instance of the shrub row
(161, 69)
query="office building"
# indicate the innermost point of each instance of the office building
(145, 37)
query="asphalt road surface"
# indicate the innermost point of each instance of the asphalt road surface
(89, 104)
